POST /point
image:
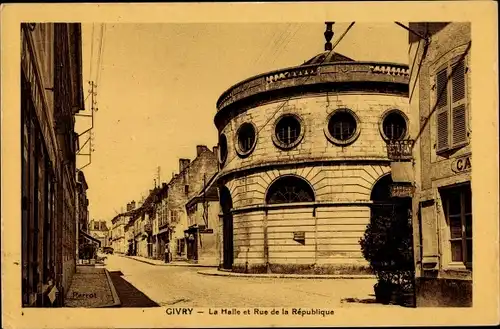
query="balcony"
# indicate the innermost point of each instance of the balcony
(340, 73)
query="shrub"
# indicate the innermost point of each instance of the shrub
(387, 246)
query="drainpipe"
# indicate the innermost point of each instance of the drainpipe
(266, 243)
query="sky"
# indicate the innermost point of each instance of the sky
(157, 86)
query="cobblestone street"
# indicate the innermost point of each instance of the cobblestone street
(143, 285)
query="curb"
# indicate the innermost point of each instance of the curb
(288, 276)
(117, 301)
(169, 264)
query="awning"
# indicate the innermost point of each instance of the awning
(89, 237)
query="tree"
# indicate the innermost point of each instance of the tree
(387, 245)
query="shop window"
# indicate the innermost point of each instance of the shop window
(288, 131)
(394, 125)
(289, 189)
(246, 139)
(342, 127)
(451, 105)
(457, 204)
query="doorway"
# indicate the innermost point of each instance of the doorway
(227, 228)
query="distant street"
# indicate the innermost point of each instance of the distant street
(143, 285)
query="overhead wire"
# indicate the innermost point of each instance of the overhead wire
(288, 99)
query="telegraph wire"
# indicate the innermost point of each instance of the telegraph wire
(265, 48)
(288, 99)
(91, 52)
(101, 55)
(292, 35)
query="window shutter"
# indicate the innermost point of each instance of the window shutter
(442, 111)
(459, 115)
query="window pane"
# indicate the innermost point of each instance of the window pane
(469, 251)
(468, 200)
(455, 207)
(456, 251)
(455, 227)
(468, 226)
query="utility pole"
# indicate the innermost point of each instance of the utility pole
(93, 109)
(159, 181)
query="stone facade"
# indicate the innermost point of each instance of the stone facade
(99, 230)
(442, 170)
(117, 234)
(51, 95)
(203, 222)
(183, 186)
(321, 234)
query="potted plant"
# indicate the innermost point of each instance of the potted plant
(387, 245)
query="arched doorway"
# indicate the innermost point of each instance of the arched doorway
(388, 243)
(226, 204)
(386, 205)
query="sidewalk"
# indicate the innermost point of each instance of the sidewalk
(215, 272)
(173, 263)
(91, 287)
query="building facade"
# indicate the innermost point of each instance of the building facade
(203, 233)
(51, 95)
(182, 187)
(117, 234)
(99, 230)
(442, 205)
(303, 159)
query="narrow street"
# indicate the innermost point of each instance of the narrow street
(143, 285)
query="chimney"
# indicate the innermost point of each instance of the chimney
(129, 206)
(132, 205)
(163, 185)
(183, 164)
(215, 149)
(200, 149)
(328, 36)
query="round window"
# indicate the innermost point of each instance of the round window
(394, 126)
(342, 127)
(223, 148)
(246, 138)
(288, 131)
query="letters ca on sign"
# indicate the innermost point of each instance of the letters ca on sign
(461, 164)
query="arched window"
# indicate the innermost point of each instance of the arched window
(289, 189)
(381, 192)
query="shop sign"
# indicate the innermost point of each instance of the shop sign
(461, 164)
(400, 149)
(402, 190)
(207, 230)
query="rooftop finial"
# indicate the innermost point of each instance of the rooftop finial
(328, 35)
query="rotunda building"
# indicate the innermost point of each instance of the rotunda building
(303, 163)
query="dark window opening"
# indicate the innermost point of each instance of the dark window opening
(288, 130)
(290, 189)
(223, 148)
(246, 137)
(457, 204)
(342, 125)
(394, 126)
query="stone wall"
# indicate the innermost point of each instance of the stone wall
(315, 146)
(442, 283)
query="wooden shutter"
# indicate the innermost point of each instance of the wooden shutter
(442, 110)
(458, 106)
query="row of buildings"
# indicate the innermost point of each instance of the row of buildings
(54, 202)
(177, 220)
